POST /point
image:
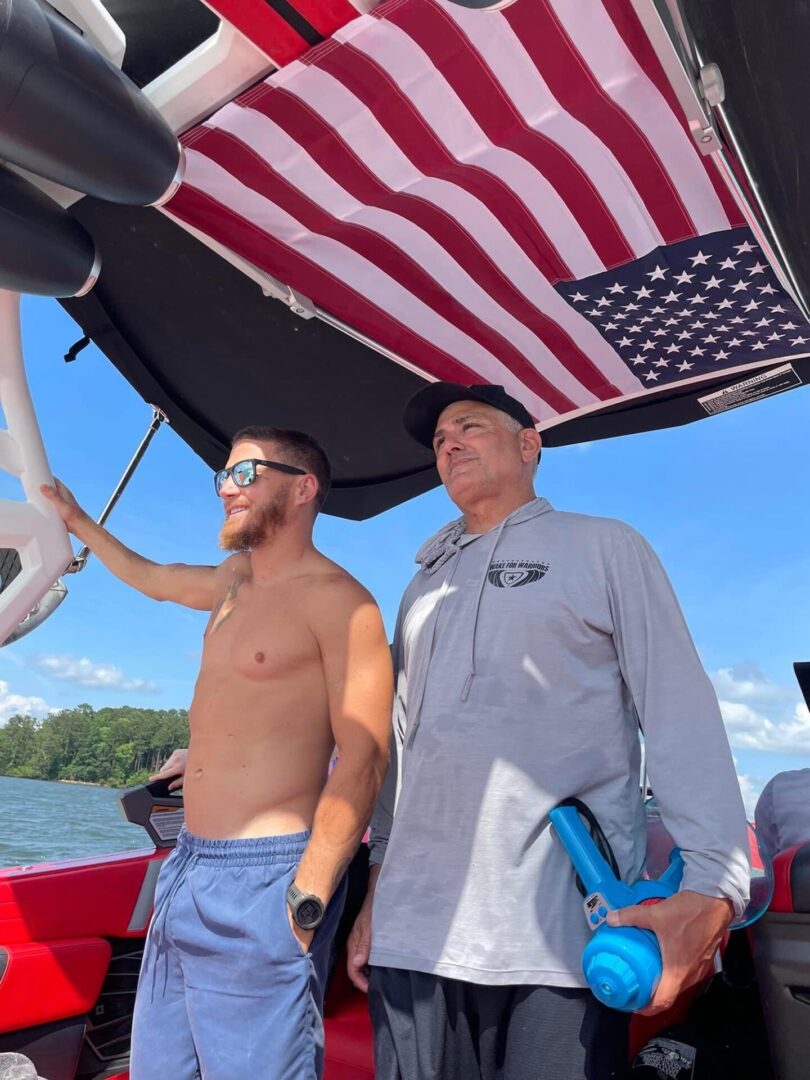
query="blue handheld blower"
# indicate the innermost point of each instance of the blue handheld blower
(622, 964)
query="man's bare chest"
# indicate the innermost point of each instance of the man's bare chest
(259, 636)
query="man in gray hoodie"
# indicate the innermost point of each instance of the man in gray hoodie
(530, 648)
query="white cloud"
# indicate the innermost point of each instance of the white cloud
(760, 714)
(86, 673)
(19, 705)
(747, 683)
(750, 729)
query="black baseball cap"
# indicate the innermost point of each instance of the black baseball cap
(426, 406)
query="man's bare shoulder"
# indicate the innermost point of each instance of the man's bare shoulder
(332, 592)
(236, 564)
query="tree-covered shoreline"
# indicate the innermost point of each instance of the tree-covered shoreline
(114, 747)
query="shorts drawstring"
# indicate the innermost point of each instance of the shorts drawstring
(157, 928)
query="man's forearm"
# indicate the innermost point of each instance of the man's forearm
(341, 818)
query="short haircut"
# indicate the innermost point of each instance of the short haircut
(511, 424)
(299, 449)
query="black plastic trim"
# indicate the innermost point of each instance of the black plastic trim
(802, 669)
(159, 33)
(296, 20)
(800, 880)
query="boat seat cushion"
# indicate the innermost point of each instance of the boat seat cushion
(41, 982)
(791, 870)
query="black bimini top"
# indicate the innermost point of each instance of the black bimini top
(197, 338)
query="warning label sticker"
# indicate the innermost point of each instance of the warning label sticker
(765, 385)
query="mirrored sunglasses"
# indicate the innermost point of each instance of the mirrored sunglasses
(243, 473)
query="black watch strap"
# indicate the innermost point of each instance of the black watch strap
(306, 908)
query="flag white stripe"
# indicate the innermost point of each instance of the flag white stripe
(293, 162)
(365, 277)
(372, 145)
(594, 34)
(445, 114)
(504, 54)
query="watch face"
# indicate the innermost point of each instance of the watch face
(309, 913)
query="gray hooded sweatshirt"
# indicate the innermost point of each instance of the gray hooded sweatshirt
(526, 658)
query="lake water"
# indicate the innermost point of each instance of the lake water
(41, 821)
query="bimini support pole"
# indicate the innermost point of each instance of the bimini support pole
(158, 418)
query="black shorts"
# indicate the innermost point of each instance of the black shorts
(427, 1027)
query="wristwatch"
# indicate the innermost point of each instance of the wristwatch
(306, 908)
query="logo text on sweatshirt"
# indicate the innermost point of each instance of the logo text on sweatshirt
(509, 573)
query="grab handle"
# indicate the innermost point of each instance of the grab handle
(31, 528)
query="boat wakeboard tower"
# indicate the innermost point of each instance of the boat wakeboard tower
(11, 561)
(72, 119)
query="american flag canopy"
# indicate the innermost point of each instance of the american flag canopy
(508, 197)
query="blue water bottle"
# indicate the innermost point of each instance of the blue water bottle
(622, 964)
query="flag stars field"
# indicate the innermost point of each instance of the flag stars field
(736, 327)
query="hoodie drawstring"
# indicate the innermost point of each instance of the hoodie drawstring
(413, 725)
(465, 693)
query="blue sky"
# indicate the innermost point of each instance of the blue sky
(723, 502)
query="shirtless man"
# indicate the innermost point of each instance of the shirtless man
(295, 663)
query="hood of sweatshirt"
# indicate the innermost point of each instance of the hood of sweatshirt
(445, 543)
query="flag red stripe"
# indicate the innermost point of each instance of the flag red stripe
(578, 92)
(632, 32)
(331, 153)
(203, 212)
(264, 27)
(383, 98)
(240, 160)
(474, 84)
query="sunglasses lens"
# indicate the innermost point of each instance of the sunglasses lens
(244, 473)
(219, 479)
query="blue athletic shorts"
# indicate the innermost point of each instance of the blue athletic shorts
(225, 991)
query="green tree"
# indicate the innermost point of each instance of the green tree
(114, 746)
(18, 744)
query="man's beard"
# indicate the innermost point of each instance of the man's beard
(263, 524)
